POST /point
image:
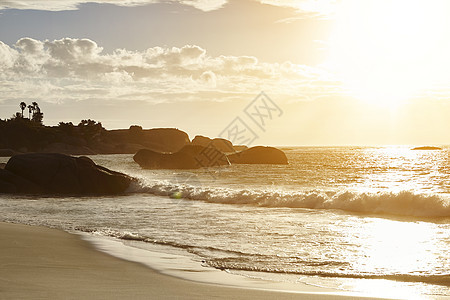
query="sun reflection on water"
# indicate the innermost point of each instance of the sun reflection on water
(398, 250)
(402, 247)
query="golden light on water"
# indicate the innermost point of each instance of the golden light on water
(388, 51)
(404, 247)
(401, 248)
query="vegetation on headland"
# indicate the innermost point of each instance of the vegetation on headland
(27, 133)
(24, 133)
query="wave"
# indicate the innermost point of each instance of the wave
(237, 261)
(443, 279)
(404, 203)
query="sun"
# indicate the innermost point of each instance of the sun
(386, 52)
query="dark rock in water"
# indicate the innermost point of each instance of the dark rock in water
(157, 139)
(189, 157)
(12, 184)
(220, 144)
(238, 148)
(7, 152)
(259, 155)
(427, 148)
(62, 174)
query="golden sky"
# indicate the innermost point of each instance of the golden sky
(343, 72)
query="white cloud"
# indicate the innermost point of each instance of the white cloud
(60, 5)
(77, 69)
(205, 5)
(311, 8)
(209, 78)
(7, 56)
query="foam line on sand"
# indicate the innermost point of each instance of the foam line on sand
(43, 263)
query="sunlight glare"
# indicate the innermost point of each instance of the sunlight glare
(386, 52)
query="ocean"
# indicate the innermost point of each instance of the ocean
(359, 219)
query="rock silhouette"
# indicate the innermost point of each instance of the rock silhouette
(219, 143)
(259, 155)
(189, 157)
(52, 173)
(427, 148)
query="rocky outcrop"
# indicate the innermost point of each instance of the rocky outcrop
(239, 148)
(51, 173)
(157, 139)
(189, 157)
(67, 149)
(10, 183)
(7, 152)
(427, 148)
(88, 137)
(259, 155)
(220, 144)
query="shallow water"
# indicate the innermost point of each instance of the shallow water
(359, 218)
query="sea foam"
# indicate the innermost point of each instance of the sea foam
(404, 203)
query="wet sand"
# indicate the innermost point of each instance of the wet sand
(43, 263)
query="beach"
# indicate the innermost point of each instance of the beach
(291, 231)
(44, 263)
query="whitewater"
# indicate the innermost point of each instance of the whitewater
(352, 218)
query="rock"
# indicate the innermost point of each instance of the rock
(10, 183)
(67, 149)
(238, 148)
(2, 166)
(156, 139)
(189, 157)
(7, 152)
(259, 155)
(427, 148)
(62, 174)
(220, 144)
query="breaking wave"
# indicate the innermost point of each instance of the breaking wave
(404, 203)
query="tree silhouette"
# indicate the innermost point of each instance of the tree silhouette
(90, 128)
(30, 110)
(22, 105)
(36, 107)
(37, 115)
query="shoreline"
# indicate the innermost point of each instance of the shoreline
(39, 262)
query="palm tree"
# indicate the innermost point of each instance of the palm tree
(30, 110)
(22, 105)
(37, 115)
(36, 107)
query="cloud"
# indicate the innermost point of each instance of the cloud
(205, 5)
(61, 5)
(71, 69)
(209, 78)
(7, 56)
(308, 8)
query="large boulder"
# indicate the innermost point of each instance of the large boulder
(189, 157)
(238, 148)
(10, 183)
(157, 139)
(259, 155)
(220, 144)
(62, 174)
(7, 152)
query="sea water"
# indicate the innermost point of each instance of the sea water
(364, 219)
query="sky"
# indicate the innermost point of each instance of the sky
(332, 72)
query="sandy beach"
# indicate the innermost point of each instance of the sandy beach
(43, 263)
